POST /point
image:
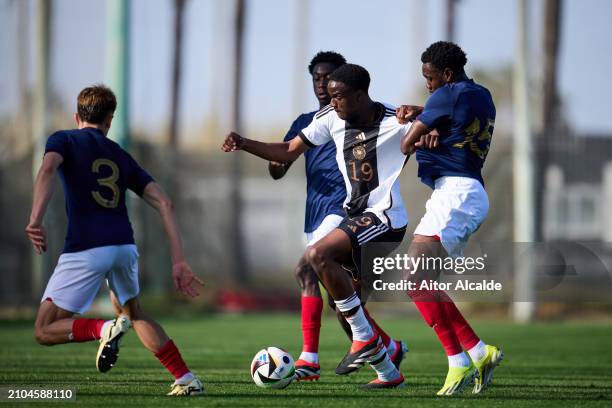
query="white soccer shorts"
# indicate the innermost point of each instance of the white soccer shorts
(455, 210)
(328, 224)
(78, 276)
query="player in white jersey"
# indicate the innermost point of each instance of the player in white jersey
(367, 136)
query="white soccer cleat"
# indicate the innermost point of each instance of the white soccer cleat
(194, 387)
(108, 351)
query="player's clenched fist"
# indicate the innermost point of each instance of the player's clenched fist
(233, 141)
(429, 141)
(407, 113)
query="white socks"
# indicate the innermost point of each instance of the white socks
(186, 378)
(478, 352)
(360, 326)
(459, 360)
(309, 357)
(391, 348)
(105, 326)
(362, 331)
(385, 370)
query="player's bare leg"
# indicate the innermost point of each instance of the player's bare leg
(53, 324)
(155, 339)
(343, 323)
(326, 257)
(150, 333)
(307, 278)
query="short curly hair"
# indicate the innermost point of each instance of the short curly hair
(330, 57)
(94, 103)
(445, 54)
(354, 76)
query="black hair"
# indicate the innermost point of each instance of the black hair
(330, 57)
(445, 54)
(354, 76)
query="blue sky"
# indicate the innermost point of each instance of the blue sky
(386, 37)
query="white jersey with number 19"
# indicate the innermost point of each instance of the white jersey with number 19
(369, 159)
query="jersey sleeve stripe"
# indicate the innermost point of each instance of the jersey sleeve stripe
(323, 111)
(305, 140)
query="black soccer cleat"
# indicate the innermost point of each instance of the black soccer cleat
(400, 353)
(108, 352)
(360, 353)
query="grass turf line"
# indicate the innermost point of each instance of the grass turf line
(553, 364)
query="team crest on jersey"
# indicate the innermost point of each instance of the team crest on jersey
(359, 152)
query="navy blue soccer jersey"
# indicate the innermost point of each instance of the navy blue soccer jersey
(464, 115)
(325, 189)
(95, 173)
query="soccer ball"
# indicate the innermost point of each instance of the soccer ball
(272, 367)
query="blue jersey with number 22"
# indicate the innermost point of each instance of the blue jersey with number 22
(95, 173)
(464, 115)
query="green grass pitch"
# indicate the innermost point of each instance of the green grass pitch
(546, 364)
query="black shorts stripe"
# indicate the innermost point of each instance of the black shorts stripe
(373, 235)
(368, 230)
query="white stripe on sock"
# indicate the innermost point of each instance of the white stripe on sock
(385, 370)
(360, 326)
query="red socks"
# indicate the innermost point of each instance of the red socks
(383, 335)
(466, 335)
(86, 329)
(171, 358)
(435, 316)
(312, 307)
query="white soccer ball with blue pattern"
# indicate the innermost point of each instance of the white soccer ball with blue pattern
(272, 367)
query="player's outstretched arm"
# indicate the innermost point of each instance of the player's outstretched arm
(182, 275)
(278, 170)
(43, 191)
(278, 152)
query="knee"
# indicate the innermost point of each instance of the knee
(317, 258)
(42, 338)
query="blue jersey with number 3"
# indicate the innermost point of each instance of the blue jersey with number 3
(463, 113)
(95, 173)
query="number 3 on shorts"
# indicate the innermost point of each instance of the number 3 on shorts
(109, 182)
